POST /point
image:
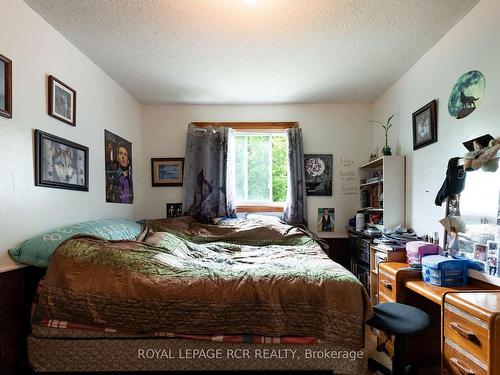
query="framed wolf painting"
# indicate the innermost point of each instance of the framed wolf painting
(60, 163)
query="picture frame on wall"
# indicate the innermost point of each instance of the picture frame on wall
(5, 87)
(60, 163)
(174, 210)
(425, 125)
(167, 171)
(319, 174)
(62, 101)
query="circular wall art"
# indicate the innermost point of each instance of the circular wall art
(466, 94)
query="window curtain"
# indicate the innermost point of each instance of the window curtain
(295, 211)
(209, 173)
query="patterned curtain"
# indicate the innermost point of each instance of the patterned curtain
(209, 173)
(296, 209)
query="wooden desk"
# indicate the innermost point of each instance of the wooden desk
(399, 283)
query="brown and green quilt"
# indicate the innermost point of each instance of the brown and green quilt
(250, 276)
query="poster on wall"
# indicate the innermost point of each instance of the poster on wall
(466, 94)
(326, 219)
(318, 168)
(118, 165)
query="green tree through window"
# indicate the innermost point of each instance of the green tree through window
(261, 167)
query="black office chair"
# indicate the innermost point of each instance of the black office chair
(401, 321)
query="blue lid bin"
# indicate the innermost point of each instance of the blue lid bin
(444, 271)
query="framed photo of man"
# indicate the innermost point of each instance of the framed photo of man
(5, 87)
(118, 166)
(62, 101)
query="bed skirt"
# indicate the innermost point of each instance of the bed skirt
(164, 354)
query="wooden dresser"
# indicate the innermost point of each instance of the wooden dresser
(464, 335)
(471, 333)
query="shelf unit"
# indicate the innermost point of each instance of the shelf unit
(384, 198)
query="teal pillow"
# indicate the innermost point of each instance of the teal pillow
(38, 250)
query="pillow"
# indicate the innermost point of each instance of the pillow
(38, 250)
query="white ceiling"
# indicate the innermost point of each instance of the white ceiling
(253, 51)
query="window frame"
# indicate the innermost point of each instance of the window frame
(254, 127)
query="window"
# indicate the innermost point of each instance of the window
(261, 164)
(261, 167)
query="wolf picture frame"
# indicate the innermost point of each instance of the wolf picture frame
(62, 101)
(5, 87)
(60, 163)
(424, 123)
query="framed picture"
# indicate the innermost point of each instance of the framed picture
(492, 257)
(318, 168)
(62, 101)
(118, 169)
(5, 87)
(174, 210)
(326, 219)
(480, 252)
(60, 163)
(425, 125)
(167, 171)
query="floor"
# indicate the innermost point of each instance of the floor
(371, 351)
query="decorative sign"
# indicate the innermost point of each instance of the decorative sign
(348, 173)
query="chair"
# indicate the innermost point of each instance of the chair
(401, 321)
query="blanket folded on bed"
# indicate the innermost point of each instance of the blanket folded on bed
(241, 276)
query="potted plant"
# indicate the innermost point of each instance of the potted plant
(386, 150)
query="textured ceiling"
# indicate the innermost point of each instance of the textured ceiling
(253, 51)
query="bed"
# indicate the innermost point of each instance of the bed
(244, 294)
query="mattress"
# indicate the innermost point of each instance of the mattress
(91, 354)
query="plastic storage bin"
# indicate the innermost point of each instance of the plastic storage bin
(444, 271)
(415, 250)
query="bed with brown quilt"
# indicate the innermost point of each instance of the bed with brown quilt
(244, 294)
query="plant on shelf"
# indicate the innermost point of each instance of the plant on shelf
(386, 150)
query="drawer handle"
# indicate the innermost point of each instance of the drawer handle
(387, 284)
(463, 370)
(463, 332)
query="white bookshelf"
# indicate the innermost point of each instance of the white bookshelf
(391, 172)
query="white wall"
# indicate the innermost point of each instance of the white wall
(472, 44)
(339, 129)
(38, 50)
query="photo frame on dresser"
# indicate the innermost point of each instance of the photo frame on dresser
(425, 125)
(62, 101)
(5, 87)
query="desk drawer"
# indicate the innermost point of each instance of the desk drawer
(468, 331)
(459, 362)
(387, 285)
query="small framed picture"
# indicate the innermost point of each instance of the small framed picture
(174, 210)
(492, 257)
(425, 125)
(5, 87)
(326, 220)
(480, 252)
(62, 101)
(167, 171)
(60, 163)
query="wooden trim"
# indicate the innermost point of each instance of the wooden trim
(250, 125)
(7, 112)
(259, 208)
